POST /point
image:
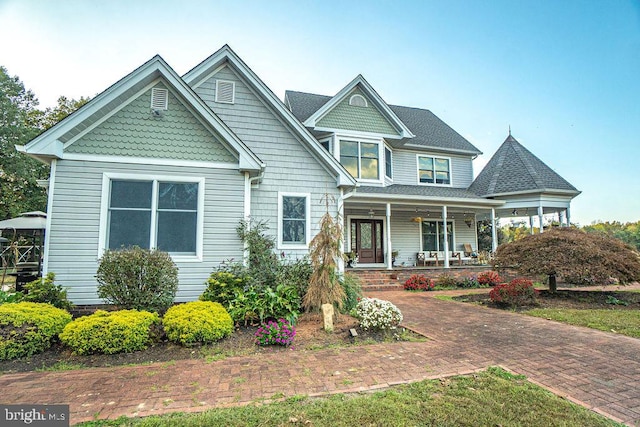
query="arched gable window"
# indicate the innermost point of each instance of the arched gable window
(358, 100)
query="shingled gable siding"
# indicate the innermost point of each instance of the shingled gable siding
(75, 220)
(134, 132)
(349, 117)
(405, 168)
(290, 167)
(406, 233)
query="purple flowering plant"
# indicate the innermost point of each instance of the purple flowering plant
(279, 332)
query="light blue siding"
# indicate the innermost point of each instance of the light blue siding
(405, 168)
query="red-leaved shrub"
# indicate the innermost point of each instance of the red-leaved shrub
(418, 282)
(489, 278)
(519, 291)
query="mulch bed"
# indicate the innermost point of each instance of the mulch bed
(569, 299)
(310, 335)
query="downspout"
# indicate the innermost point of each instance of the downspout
(248, 183)
(50, 190)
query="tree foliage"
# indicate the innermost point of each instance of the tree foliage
(20, 122)
(578, 257)
(628, 232)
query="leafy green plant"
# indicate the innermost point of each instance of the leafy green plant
(469, 283)
(8, 297)
(377, 314)
(615, 301)
(352, 292)
(46, 291)
(197, 322)
(140, 279)
(255, 304)
(222, 287)
(111, 332)
(27, 328)
(263, 262)
(446, 280)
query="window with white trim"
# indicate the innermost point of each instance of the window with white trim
(293, 220)
(358, 100)
(434, 170)
(153, 214)
(361, 159)
(432, 238)
(388, 170)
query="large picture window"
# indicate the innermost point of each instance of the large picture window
(160, 214)
(433, 235)
(293, 220)
(434, 170)
(361, 159)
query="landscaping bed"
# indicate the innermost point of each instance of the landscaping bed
(309, 336)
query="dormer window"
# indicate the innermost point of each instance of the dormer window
(361, 159)
(358, 100)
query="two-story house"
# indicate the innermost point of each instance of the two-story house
(174, 162)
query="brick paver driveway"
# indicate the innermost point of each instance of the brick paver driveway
(599, 370)
(596, 369)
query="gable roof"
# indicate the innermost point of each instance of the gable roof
(513, 169)
(429, 131)
(226, 55)
(359, 81)
(50, 144)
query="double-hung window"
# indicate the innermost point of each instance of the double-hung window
(164, 214)
(434, 170)
(387, 163)
(361, 159)
(433, 235)
(293, 213)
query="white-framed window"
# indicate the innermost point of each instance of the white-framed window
(432, 235)
(358, 100)
(326, 143)
(361, 159)
(388, 163)
(434, 170)
(225, 91)
(160, 212)
(294, 225)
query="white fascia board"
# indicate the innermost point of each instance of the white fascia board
(345, 133)
(377, 100)
(441, 149)
(227, 54)
(541, 192)
(412, 198)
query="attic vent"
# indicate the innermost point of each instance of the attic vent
(159, 99)
(358, 101)
(225, 91)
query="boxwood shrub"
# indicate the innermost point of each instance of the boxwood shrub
(112, 332)
(197, 322)
(27, 328)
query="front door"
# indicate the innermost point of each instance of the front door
(367, 235)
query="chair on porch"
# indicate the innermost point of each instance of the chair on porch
(425, 257)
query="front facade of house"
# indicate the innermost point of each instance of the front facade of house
(175, 163)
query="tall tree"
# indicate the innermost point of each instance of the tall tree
(19, 123)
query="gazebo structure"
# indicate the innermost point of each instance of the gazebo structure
(25, 245)
(528, 186)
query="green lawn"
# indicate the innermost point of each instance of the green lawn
(625, 322)
(490, 398)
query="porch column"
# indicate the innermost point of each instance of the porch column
(341, 219)
(561, 218)
(540, 218)
(530, 225)
(389, 247)
(494, 232)
(568, 215)
(446, 238)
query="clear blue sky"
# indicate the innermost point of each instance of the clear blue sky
(565, 75)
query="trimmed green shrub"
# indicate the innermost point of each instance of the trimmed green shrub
(46, 291)
(28, 328)
(352, 292)
(446, 280)
(122, 331)
(197, 322)
(139, 279)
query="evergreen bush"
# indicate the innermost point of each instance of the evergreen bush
(46, 291)
(197, 322)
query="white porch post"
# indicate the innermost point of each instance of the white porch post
(341, 219)
(494, 232)
(530, 225)
(389, 247)
(247, 214)
(540, 217)
(561, 218)
(568, 215)
(446, 238)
